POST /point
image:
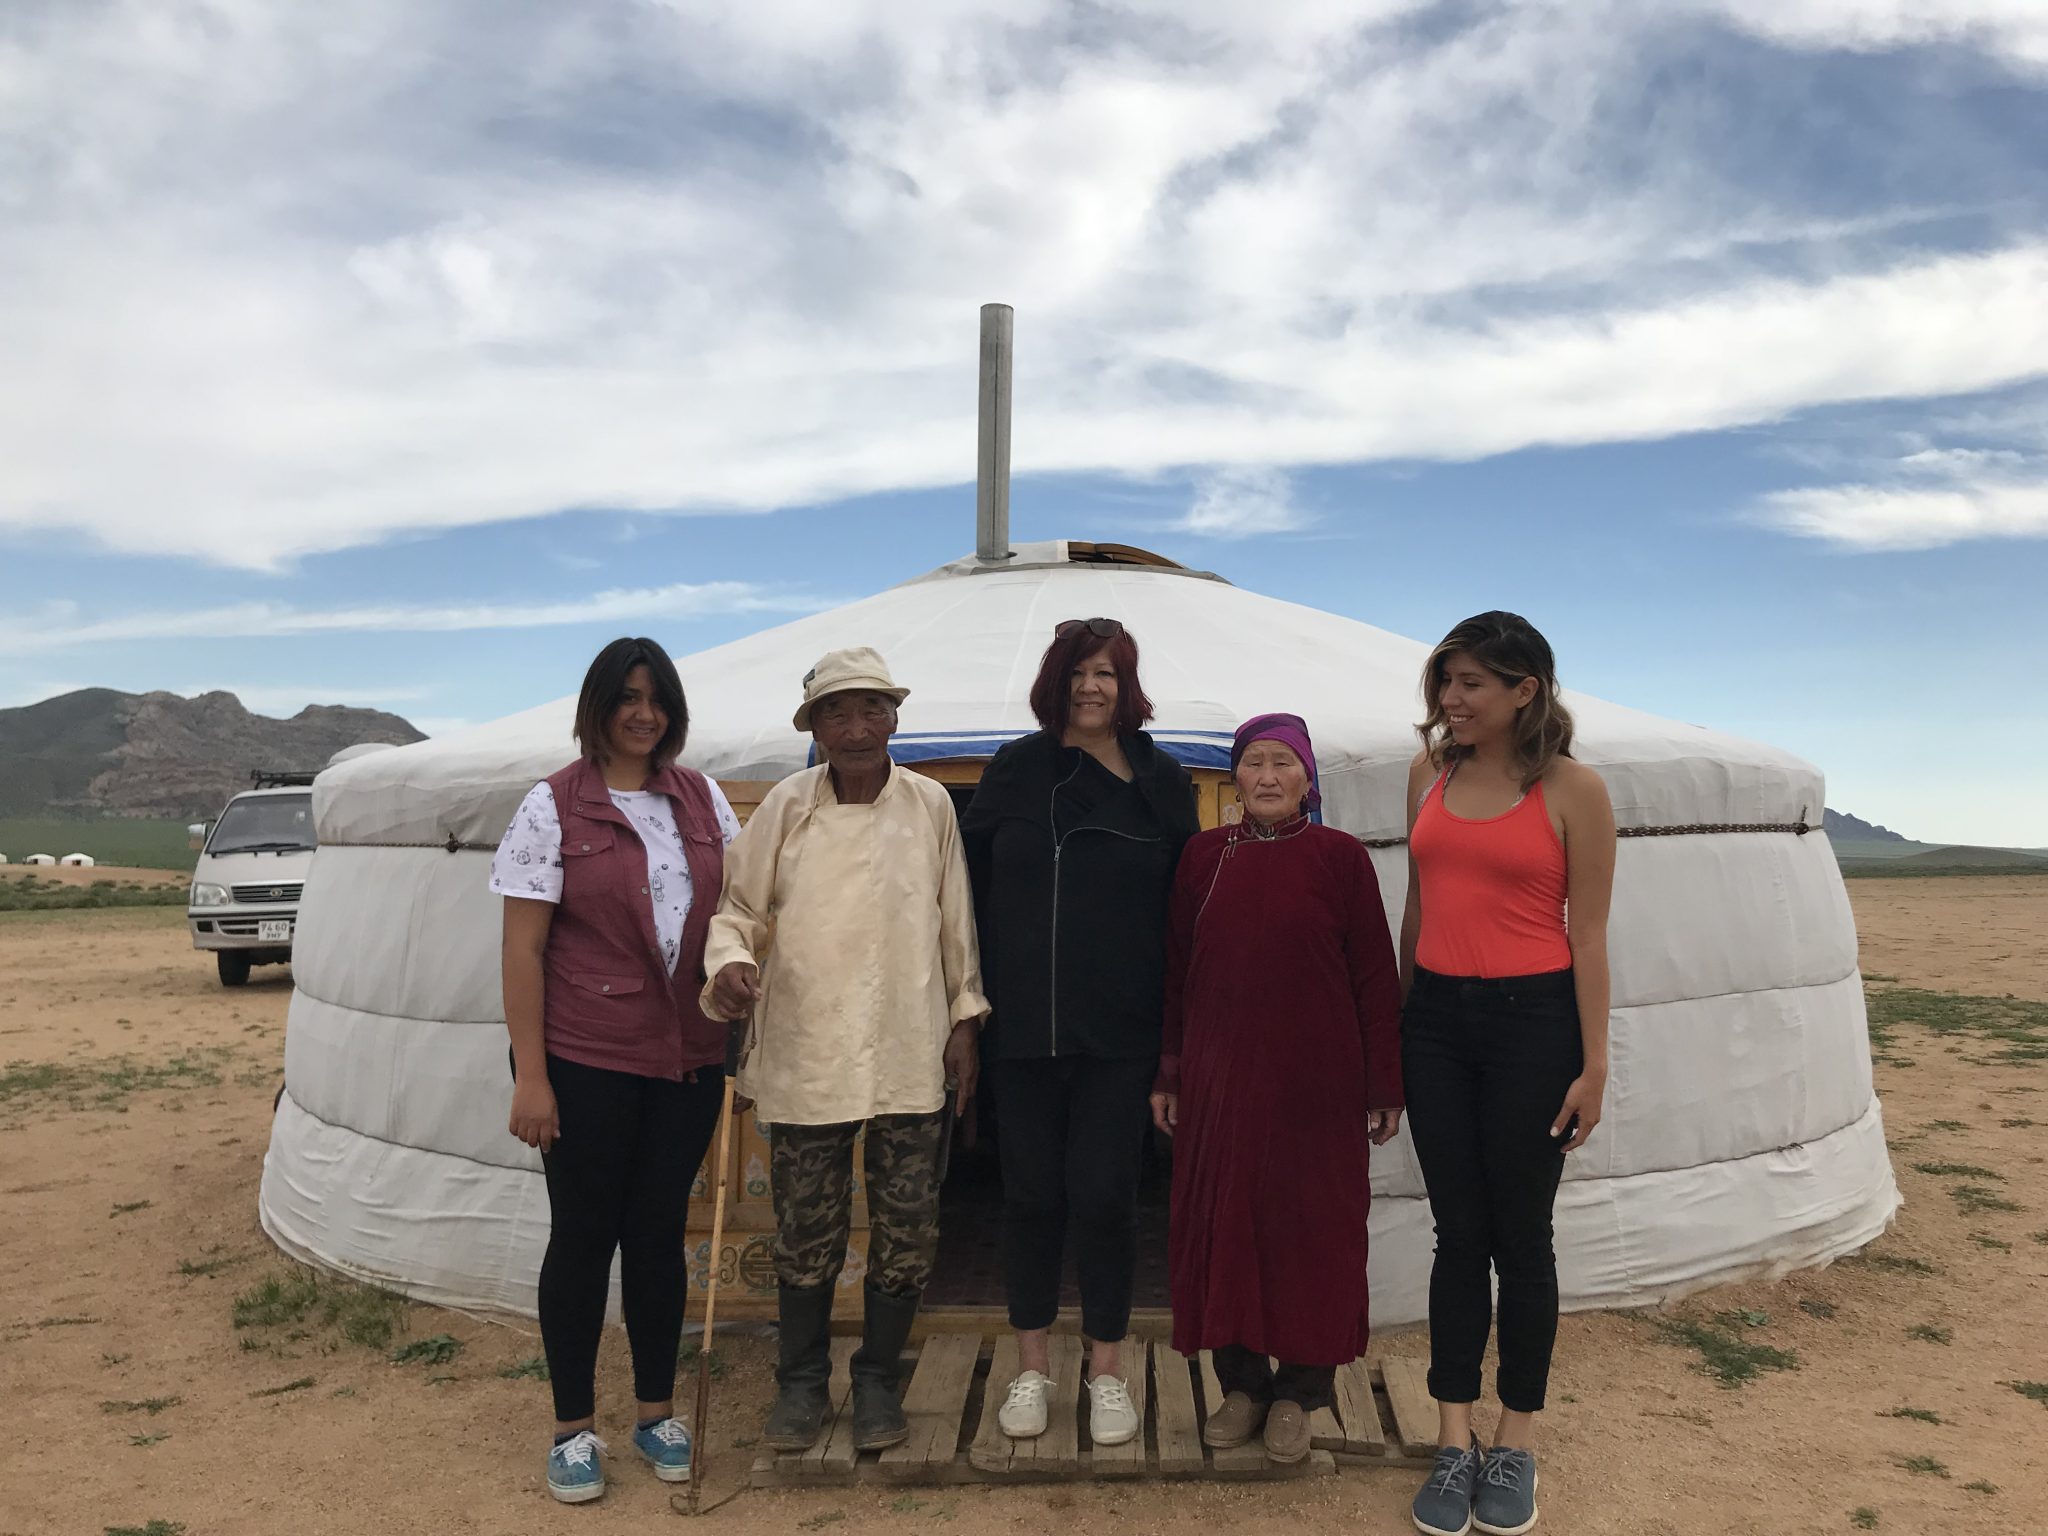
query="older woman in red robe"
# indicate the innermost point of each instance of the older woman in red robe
(1281, 1068)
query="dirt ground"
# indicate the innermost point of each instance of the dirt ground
(135, 1098)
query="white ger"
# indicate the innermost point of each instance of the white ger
(1741, 1133)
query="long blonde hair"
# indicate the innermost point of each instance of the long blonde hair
(1509, 647)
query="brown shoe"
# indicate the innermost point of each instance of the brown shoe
(1286, 1433)
(1234, 1423)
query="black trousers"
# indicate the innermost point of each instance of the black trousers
(1071, 1135)
(1486, 1065)
(1242, 1370)
(619, 1182)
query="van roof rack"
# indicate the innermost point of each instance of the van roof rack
(280, 778)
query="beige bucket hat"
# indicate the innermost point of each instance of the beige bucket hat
(857, 669)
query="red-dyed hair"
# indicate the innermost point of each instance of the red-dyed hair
(1052, 691)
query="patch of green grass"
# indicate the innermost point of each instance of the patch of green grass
(2017, 1123)
(344, 1391)
(1926, 1465)
(127, 842)
(1959, 1171)
(202, 1267)
(822, 1519)
(33, 895)
(2040, 1236)
(1729, 1360)
(106, 1084)
(534, 1368)
(1980, 1486)
(149, 1405)
(1746, 1317)
(686, 1359)
(1923, 1415)
(129, 1207)
(437, 1349)
(153, 1528)
(1896, 1263)
(1985, 1240)
(66, 1322)
(1927, 1333)
(1863, 1518)
(114, 1359)
(1946, 1125)
(2036, 1391)
(291, 1386)
(1975, 1199)
(149, 1439)
(362, 1314)
(1820, 1309)
(2016, 1026)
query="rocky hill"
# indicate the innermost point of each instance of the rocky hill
(102, 752)
(1842, 824)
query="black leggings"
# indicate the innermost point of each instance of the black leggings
(1486, 1065)
(1071, 1131)
(619, 1181)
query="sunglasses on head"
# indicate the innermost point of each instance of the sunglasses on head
(1102, 629)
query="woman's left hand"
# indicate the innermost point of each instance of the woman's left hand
(1381, 1124)
(1581, 1103)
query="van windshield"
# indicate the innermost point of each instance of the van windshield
(264, 824)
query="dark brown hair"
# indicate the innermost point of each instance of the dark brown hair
(1509, 647)
(1052, 690)
(604, 685)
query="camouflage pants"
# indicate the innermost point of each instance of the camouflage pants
(810, 1170)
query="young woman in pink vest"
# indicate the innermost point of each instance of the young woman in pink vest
(1503, 1036)
(610, 873)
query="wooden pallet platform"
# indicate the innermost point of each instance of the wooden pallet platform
(1382, 1417)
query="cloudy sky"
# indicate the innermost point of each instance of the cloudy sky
(400, 352)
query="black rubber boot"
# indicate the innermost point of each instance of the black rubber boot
(878, 1420)
(803, 1374)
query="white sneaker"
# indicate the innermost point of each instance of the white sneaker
(1112, 1416)
(1023, 1412)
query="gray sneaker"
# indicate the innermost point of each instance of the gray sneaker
(1506, 1505)
(1444, 1506)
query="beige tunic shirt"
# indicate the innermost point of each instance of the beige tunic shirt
(862, 923)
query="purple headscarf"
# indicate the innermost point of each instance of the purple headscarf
(1291, 731)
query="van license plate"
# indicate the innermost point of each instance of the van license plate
(275, 931)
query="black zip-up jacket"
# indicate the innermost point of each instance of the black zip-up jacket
(1072, 870)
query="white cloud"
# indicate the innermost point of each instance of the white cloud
(1903, 516)
(1242, 501)
(60, 625)
(283, 279)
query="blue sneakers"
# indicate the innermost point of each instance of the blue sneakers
(1444, 1506)
(575, 1475)
(1506, 1505)
(666, 1446)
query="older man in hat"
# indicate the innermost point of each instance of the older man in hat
(846, 927)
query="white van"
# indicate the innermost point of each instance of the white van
(252, 868)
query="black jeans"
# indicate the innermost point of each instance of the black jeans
(1487, 1065)
(1072, 1134)
(1243, 1370)
(619, 1181)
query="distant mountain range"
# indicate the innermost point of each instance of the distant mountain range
(1840, 824)
(102, 752)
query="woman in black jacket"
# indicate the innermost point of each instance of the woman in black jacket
(1072, 840)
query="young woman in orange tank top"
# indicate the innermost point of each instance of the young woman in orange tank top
(1503, 1036)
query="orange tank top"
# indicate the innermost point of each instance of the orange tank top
(1493, 890)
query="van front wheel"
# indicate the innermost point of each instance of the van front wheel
(234, 967)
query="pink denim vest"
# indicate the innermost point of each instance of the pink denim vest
(610, 1001)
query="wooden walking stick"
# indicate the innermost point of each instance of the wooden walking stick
(735, 1054)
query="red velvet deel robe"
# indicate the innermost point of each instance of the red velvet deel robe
(1282, 1029)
